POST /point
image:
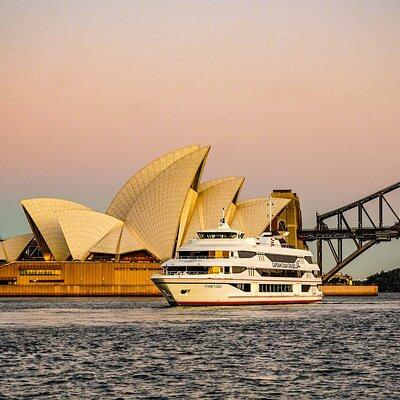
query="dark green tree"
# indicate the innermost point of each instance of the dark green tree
(387, 281)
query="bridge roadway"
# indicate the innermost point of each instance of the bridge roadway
(386, 233)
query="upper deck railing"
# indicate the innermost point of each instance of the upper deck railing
(200, 257)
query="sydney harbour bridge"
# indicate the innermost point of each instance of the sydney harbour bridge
(365, 223)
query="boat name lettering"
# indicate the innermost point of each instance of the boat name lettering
(213, 286)
(286, 265)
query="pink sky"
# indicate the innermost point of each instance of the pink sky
(290, 94)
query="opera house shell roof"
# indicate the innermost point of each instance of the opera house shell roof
(157, 210)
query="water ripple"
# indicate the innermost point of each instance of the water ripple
(139, 348)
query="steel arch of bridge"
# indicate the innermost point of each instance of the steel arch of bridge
(364, 237)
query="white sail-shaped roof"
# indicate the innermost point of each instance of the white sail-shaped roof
(84, 228)
(15, 245)
(252, 216)
(155, 213)
(126, 197)
(42, 213)
(129, 242)
(159, 208)
(109, 243)
(2, 252)
(213, 197)
(118, 241)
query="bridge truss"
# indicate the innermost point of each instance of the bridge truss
(334, 226)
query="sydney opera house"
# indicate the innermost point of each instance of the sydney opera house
(73, 249)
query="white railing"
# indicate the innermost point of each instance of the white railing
(199, 257)
(186, 272)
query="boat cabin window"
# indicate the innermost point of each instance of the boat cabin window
(273, 288)
(192, 270)
(219, 235)
(280, 273)
(193, 254)
(203, 254)
(309, 259)
(283, 258)
(238, 270)
(305, 288)
(316, 273)
(245, 287)
(246, 254)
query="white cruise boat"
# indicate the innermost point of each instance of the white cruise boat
(222, 267)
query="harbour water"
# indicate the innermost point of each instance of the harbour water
(140, 348)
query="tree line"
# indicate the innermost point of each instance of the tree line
(387, 281)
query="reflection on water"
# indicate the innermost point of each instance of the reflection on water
(139, 348)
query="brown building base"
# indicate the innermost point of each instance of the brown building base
(344, 290)
(23, 278)
(92, 278)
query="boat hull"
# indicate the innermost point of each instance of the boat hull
(256, 302)
(186, 292)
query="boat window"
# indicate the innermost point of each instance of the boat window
(192, 270)
(203, 254)
(246, 254)
(280, 273)
(217, 235)
(274, 288)
(226, 270)
(220, 254)
(309, 259)
(194, 254)
(283, 258)
(305, 288)
(317, 273)
(238, 270)
(241, 286)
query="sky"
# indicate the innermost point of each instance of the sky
(290, 94)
